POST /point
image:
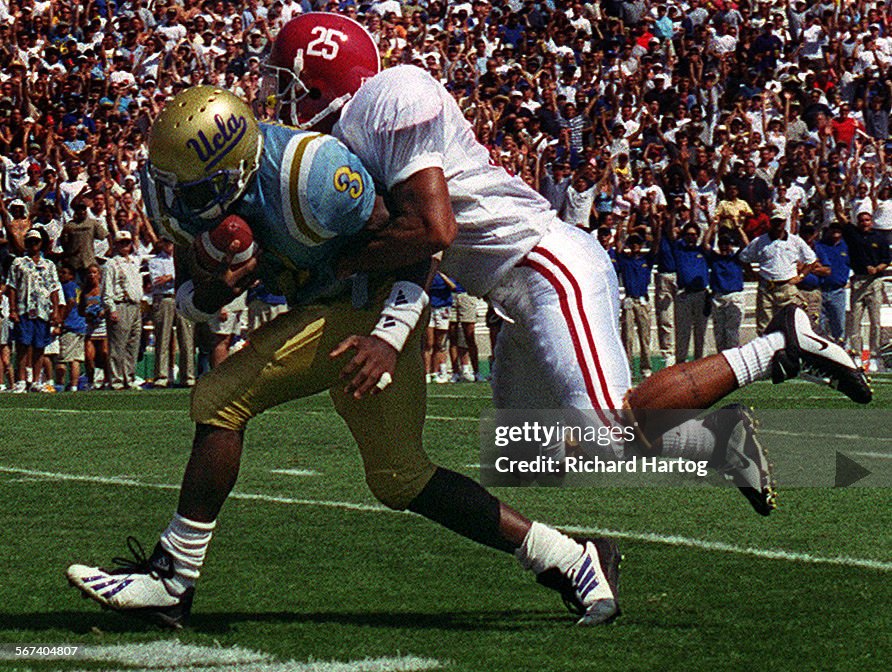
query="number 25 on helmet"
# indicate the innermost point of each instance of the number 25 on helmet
(318, 61)
(204, 147)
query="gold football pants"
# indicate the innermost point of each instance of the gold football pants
(287, 359)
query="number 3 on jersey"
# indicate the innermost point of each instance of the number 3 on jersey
(345, 179)
(325, 45)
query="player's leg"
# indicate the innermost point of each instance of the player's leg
(163, 311)
(470, 332)
(874, 302)
(186, 344)
(90, 360)
(285, 359)
(683, 325)
(131, 313)
(388, 429)
(627, 320)
(699, 324)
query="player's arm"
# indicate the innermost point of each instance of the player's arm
(374, 360)
(421, 224)
(200, 294)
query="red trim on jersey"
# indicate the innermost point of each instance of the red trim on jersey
(564, 301)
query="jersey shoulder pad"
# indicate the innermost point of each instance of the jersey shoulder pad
(395, 99)
(325, 190)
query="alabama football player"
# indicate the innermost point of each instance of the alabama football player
(560, 346)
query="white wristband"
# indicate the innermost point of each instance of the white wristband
(400, 313)
(186, 303)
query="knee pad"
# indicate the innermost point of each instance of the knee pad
(397, 490)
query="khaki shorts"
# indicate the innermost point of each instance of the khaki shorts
(71, 347)
(464, 308)
(287, 359)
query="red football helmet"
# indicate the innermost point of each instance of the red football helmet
(318, 61)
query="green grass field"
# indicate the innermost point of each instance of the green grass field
(306, 567)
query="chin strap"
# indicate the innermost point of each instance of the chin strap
(333, 106)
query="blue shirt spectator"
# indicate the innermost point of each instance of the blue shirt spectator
(836, 256)
(691, 268)
(635, 269)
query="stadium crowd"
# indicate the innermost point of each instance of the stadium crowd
(703, 142)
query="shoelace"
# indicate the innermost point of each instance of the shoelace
(138, 565)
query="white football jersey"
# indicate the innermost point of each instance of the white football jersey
(402, 121)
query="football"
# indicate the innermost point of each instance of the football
(231, 235)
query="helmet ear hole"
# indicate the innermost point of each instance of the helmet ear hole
(314, 94)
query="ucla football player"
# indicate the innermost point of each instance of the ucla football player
(309, 201)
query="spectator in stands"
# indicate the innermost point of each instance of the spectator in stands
(732, 210)
(833, 253)
(34, 295)
(121, 295)
(165, 319)
(74, 328)
(7, 379)
(783, 258)
(96, 343)
(726, 284)
(810, 285)
(435, 344)
(78, 238)
(635, 269)
(463, 336)
(692, 274)
(870, 258)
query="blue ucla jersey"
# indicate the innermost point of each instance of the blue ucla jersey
(309, 196)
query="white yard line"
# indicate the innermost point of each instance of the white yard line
(879, 456)
(295, 472)
(816, 435)
(172, 656)
(768, 554)
(649, 537)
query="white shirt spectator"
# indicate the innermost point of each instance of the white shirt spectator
(882, 215)
(778, 258)
(813, 39)
(290, 9)
(579, 206)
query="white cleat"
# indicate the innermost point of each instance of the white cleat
(817, 358)
(136, 588)
(591, 588)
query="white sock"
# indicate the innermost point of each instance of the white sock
(187, 542)
(752, 362)
(690, 440)
(546, 548)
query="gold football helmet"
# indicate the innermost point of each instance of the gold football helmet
(204, 147)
